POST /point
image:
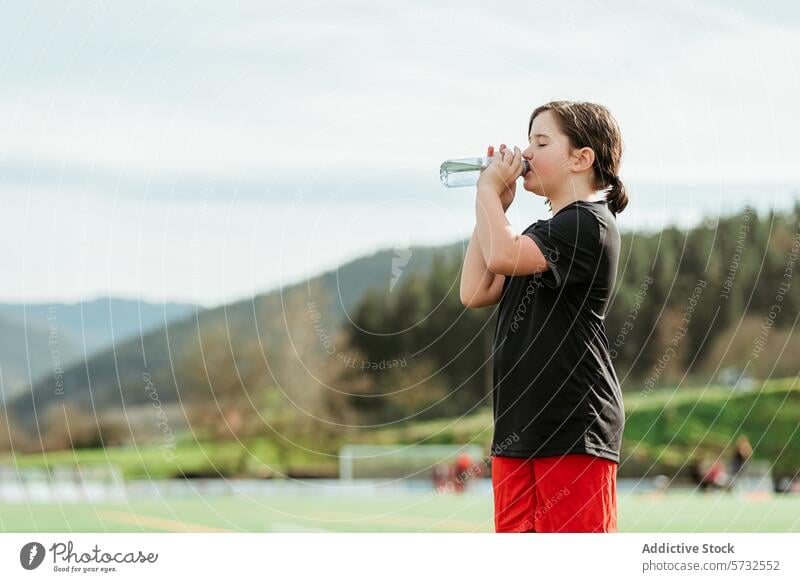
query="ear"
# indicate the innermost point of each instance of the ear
(582, 159)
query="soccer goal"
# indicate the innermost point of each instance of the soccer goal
(401, 461)
(755, 476)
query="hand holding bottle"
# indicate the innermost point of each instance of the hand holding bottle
(507, 196)
(466, 171)
(502, 173)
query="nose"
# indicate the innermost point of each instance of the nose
(527, 156)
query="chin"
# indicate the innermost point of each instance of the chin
(535, 188)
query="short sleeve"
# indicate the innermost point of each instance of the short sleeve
(570, 241)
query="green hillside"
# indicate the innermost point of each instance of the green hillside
(112, 378)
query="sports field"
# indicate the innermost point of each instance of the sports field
(673, 512)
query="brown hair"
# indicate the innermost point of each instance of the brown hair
(592, 125)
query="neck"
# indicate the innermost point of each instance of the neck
(570, 194)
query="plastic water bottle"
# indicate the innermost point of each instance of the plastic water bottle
(466, 171)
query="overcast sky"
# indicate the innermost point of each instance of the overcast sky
(206, 151)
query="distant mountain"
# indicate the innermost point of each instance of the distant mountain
(113, 378)
(37, 339)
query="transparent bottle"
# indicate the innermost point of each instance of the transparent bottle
(466, 171)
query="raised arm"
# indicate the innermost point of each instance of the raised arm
(505, 252)
(479, 286)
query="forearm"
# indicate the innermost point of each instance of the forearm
(475, 276)
(495, 233)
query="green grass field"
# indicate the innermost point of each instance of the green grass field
(674, 512)
(664, 430)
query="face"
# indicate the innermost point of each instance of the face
(548, 152)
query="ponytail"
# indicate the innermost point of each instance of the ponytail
(617, 197)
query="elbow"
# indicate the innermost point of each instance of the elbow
(469, 294)
(463, 296)
(478, 300)
(470, 300)
(467, 301)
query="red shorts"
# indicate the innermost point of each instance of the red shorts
(569, 493)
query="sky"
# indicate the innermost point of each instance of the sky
(207, 151)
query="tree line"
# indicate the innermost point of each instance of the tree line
(688, 305)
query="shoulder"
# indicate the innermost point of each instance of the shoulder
(575, 221)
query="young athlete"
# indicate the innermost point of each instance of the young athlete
(558, 415)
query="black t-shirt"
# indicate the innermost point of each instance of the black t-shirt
(555, 389)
